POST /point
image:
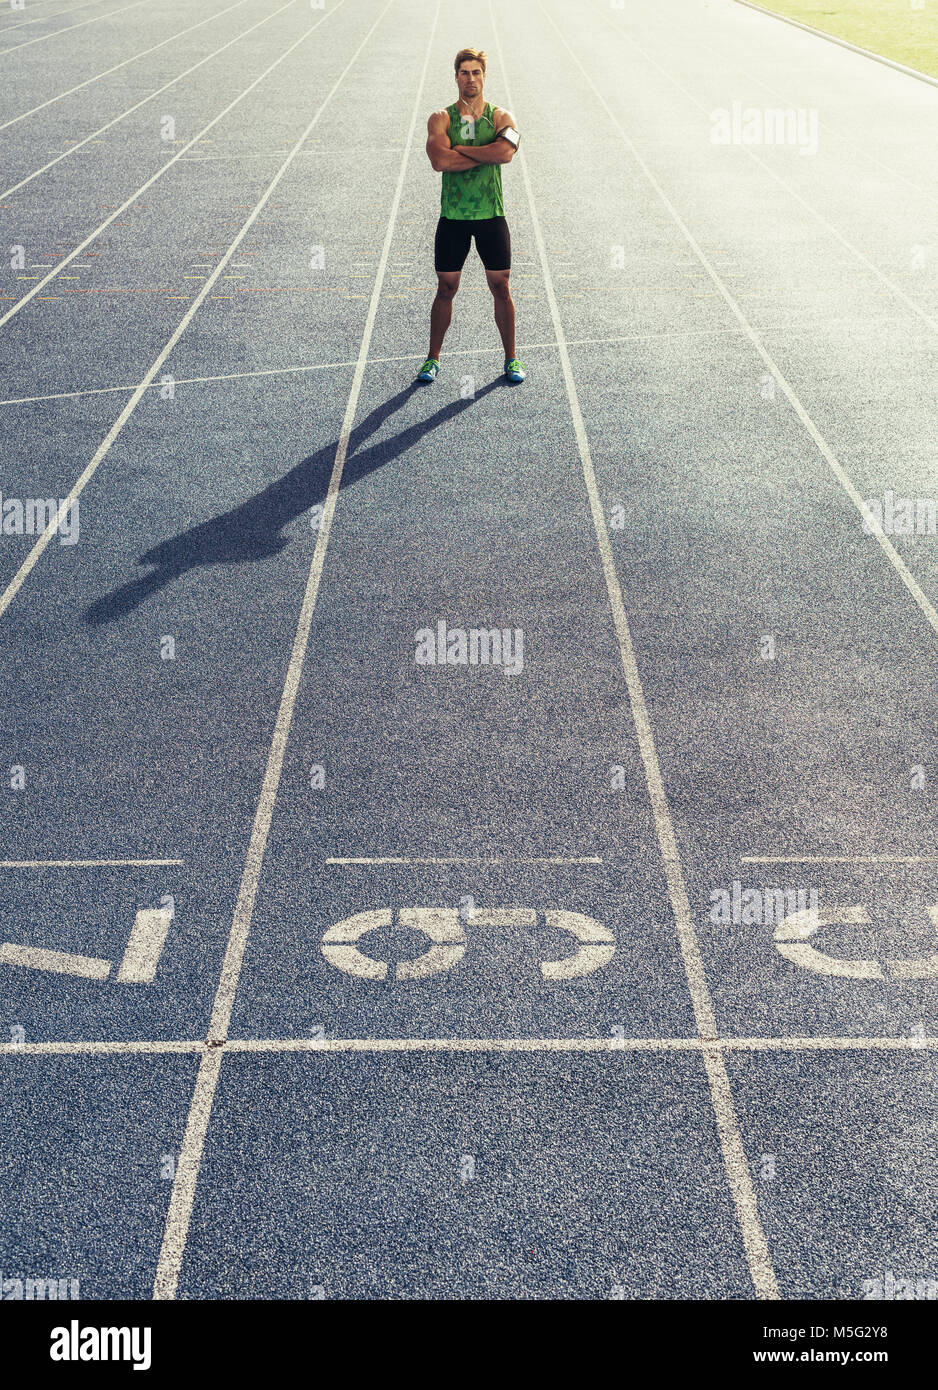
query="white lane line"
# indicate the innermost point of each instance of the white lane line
(792, 1044)
(73, 149)
(117, 66)
(734, 1156)
(872, 524)
(16, 583)
(465, 1045)
(97, 1049)
(147, 938)
(839, 859)
(190, 1155)
(135, 196)
(861, 256)
(89, 863)
(91, 967)
(244, 1045)
(870, 325)
(492, 860)
(827, 1044)
(27, 43)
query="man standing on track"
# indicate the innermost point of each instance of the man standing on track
(467, 143)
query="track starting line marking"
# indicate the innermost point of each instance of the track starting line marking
(915, 1043)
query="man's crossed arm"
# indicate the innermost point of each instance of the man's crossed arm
(452, 159)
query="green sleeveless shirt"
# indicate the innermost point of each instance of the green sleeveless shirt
(469, 194)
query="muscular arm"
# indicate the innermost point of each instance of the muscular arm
(499, 151)
(439, 150)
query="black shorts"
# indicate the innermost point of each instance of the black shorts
(493, 243)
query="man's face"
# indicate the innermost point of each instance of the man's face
(470, 79)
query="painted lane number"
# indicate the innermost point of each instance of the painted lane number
(447, 935)
(792, 940)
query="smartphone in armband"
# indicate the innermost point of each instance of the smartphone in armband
(511, 135)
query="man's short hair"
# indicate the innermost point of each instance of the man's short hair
(466, 54)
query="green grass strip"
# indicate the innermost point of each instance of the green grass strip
(904, 30)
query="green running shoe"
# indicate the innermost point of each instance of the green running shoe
(429, 370)
(514, 370)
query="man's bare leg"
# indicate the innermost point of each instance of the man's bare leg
(442, 311)
(504, 309)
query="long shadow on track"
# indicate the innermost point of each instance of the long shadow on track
(252, 530)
